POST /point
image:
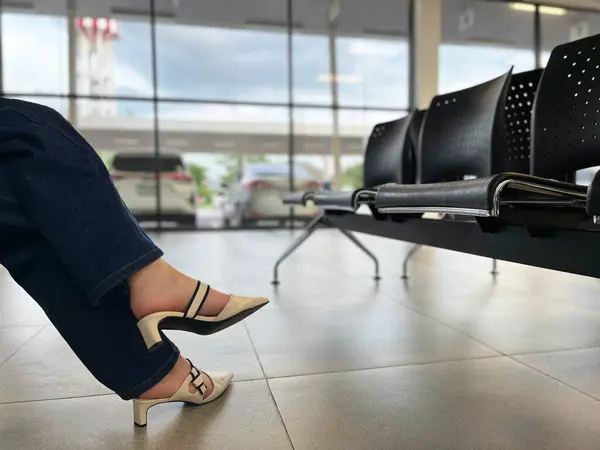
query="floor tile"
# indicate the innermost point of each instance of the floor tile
(313, 291)
(244, 418)
(17, 308)
(501, 315)
(346, 259)
(542, 283)
(357, 336)
(564, 287)
(331, 249)
(577, 368)
(11, 339)
(257, 252)
(229, 350)
(489, 403)
(251, 271)
(46, 368)
(198, 255)
(328, 315)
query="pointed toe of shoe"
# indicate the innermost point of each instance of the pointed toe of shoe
(245, 303)
(221, 381)
(242, 306)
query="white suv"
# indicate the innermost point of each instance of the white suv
(134, 175)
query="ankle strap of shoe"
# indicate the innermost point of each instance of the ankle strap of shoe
(197, 379)
(198, 298)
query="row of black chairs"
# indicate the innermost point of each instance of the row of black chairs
(502, 153)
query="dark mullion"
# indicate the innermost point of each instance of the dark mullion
(411, 56)
(155, 111)
(537, 37)
(1, 65)
(290, 57)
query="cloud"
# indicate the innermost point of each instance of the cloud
(222, 113)
(34, 53)
(381, 49)
(208, 63)
(129, 80)
(478, 64)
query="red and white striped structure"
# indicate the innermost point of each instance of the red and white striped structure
(96, 64)
(93, 27)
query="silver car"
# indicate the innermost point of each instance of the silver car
(257, 194)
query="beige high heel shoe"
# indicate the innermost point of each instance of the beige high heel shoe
(195, 381)
(236, 309)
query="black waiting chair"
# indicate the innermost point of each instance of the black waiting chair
(389, 158)
(538, 218)
(475, 132)
(461, 133)
(564, 138)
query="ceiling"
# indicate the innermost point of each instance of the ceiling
(485, 21)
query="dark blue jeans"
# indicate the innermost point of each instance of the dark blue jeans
(67, 238)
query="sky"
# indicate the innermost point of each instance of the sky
(242, 65)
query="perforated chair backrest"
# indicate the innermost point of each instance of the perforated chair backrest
(461, 132)
(389, 156)
(517, 123)
(566, 116)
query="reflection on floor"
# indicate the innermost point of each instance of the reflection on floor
(449, 359)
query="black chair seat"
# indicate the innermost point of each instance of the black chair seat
(480, 197)
(389, 157)
(342, 201)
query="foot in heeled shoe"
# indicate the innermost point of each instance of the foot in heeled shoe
(172, 381)
(197, 387)
(160, 287)
(206, 312)
(192, 320)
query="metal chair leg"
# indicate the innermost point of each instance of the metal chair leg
(365, 250)
(410, 254)
(306, 232)
(495, 267)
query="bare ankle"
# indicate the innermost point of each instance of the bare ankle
(158, 287)
(166, 387)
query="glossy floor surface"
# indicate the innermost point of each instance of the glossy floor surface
(448, 360)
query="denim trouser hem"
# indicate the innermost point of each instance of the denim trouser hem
(96, 294)
(139, 389)
(69, 240)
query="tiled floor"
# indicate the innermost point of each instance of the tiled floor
(448, 360)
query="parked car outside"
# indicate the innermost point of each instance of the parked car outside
(134, 175)
(258, 192)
